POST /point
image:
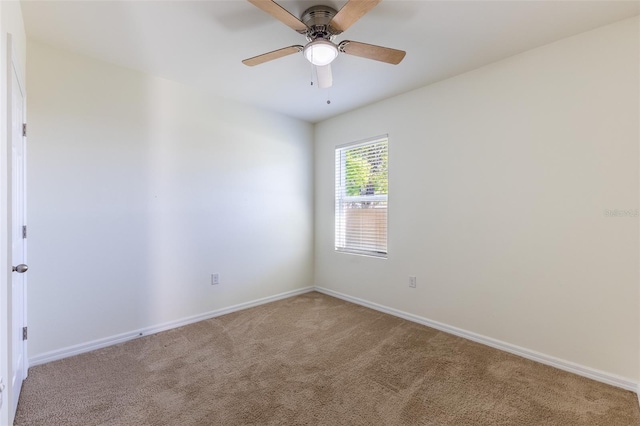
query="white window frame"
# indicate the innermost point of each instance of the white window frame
(341, 198)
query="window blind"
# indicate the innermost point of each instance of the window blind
(361, 198)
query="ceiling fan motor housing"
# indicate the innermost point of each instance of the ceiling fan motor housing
(317, 18)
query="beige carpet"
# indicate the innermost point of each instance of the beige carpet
(312, 360)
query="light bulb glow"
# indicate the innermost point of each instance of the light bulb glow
(320, 52)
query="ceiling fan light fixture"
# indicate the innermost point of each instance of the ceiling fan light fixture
(320, 52)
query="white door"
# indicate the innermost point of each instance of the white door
(18, 249)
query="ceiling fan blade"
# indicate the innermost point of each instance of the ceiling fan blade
(370, 51)
(281, 14)
(325, 78)
(351, 12)
(266, 57)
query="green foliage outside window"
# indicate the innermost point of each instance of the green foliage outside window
(367, 170)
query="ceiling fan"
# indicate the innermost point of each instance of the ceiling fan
(321, 24)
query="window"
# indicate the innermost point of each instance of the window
(361, 197)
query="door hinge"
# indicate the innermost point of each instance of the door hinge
(24, 129)
(24, 333)
(24, 231)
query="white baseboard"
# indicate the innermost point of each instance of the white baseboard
(119, 338)
(561, 364)
(591, 373)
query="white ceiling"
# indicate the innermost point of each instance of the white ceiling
(201, 43)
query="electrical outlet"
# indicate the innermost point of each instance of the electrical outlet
(215, 279)
(412, 282)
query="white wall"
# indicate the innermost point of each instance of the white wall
(140, 188)
(499, 181)
(11, 27)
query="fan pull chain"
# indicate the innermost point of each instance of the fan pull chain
(328, 96)
(312, 67)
